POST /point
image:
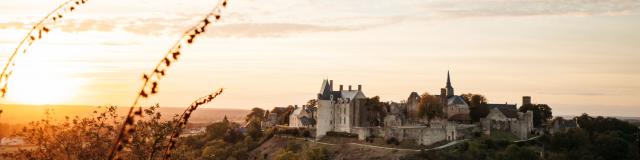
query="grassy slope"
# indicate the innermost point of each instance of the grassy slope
(338, 151)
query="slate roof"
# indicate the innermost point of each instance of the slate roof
(456, 100)
(326, 92)
(326, 86)
(307, 121)
(346, 94)
(508, 110)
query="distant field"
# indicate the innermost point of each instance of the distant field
(22, 114)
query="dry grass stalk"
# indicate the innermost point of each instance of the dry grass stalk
(151, 80)
(36, 33)
(184, 118)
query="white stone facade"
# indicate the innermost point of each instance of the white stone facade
(337, 109)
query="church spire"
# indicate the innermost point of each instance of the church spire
(448, 80)
(449, 86)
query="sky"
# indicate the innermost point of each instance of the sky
(578, 56)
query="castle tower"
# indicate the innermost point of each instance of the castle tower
(526, 100)
(449, 86)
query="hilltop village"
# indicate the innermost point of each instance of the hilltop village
(424, 119)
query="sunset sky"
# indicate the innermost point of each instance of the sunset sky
(575, 55)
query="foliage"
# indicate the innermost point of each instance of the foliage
(342, 134)
(152, 80)
(89, 138)
(254, 130)
(286, 155)
(515, 152)
(478, 107)
(184, 119)
(393, 140)
(541, 113)
(602, 124)
(315, 153)
(376, 109)
(304, 151)
(222, 140)
(430, 106)
(257, 114)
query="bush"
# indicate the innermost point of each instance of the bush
(515, 152)
(393, 140)
(369, 138)
(342, 134)
(316, 153)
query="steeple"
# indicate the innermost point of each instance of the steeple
(448, 80)
(449, 87)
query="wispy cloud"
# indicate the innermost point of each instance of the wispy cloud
(271, 29)
(266, 19)
(160, 26)
(506, 8)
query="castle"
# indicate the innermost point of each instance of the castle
(346, 110)
(339, 110)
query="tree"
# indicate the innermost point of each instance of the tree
(312, 103)
(254, 130)
(90, 137)
(376, 110)
(515, 152)
(478, 107)
(541, 113)
(430, 106)
(613, 147)
(256, 113)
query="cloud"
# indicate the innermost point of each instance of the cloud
(506, 8)
(160, 26)
(271, 29)
(299, 17)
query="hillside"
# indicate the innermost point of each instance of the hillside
(278, 145)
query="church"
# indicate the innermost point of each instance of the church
(455, 108)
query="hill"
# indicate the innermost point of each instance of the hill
(280, 146)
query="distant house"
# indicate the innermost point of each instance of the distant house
(561, 125)
(506, 117)
(502, 115)
(12, 141)
(302, 117)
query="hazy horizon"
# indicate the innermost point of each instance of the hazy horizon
(577, 56)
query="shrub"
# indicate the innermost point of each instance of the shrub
(342, 134)
(393, 140)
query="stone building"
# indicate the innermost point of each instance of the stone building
(455, 108)
(339, 110)
(561, 125)
(302, 117)
(454, 104)
(506, 117)
(412, 106)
